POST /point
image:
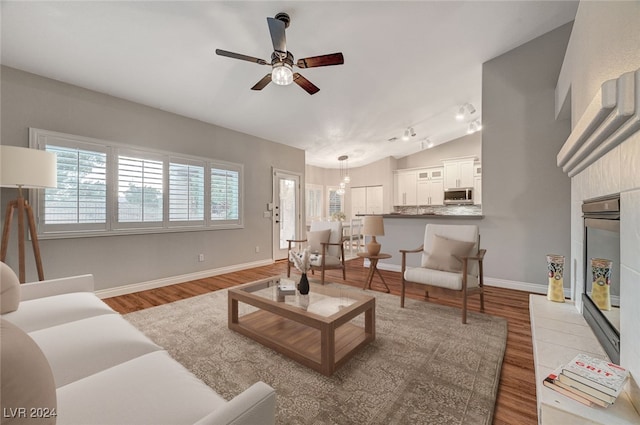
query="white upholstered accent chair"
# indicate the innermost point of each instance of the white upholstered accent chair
(451, 262)
(327, 249)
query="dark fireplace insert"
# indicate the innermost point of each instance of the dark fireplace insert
(601, 295)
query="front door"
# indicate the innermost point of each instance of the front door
(286, 211)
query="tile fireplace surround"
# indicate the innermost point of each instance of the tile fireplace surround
(602, 156)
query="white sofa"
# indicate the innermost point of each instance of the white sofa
(107, 372)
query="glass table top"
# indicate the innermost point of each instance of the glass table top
(323, 300)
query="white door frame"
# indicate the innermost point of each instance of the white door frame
(278, 174)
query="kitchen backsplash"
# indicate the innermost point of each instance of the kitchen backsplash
(440, 209)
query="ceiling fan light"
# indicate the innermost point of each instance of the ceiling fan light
(460, 114)
(282, 74)
(478, 125)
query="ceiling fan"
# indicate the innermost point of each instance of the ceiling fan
(282, 60)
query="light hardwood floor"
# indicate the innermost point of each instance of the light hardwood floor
(516, 402)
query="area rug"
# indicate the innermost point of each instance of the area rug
(425, 366)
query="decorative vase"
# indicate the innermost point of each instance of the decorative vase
(555, 290)
(303, 286)
(600, 290)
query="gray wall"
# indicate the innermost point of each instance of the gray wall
(32, 101)
(525, 196)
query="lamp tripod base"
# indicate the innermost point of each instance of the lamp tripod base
(24, 209)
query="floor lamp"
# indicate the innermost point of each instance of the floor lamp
(24, 168)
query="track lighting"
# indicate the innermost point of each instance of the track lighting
(471, 109)
(426, 144)
(474, 126)
(466, 109)
(408, 133)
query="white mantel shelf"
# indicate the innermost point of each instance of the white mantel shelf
(611, 118)
(559, 333)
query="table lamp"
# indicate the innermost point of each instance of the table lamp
(24, 168)
(373, 226)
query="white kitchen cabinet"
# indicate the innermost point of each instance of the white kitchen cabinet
(432, 173)
(375, 200)
(358, 201)
(366, 200)
(477, 190)
(430, 192)
(405, 190)
(458, 173)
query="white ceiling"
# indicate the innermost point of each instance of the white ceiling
(406, 63)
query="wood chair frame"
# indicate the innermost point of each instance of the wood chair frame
(322, 267)
(464, 292)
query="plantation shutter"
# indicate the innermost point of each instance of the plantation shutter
(140, 190)
(225, 194)
(81, 195)
(186, 192)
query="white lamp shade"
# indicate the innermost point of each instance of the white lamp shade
(373, 225)
(27, 168)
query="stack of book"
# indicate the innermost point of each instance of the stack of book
(286, 287)
(591, 381)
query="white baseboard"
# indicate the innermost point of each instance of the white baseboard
(172, 280)
(521, 286)
(488, 281)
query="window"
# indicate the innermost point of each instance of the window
(225, 194)
(106, 188)
(313, 202)
(80, 200)
(335, 201)
(140, 190)
(186, 192)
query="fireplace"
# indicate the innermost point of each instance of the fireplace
(601, 296)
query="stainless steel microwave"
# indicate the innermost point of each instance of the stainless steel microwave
(458, 196)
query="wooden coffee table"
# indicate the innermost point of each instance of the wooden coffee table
(317, 330)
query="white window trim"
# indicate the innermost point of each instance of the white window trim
(39, 138)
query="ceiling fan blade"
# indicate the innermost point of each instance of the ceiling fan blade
(324, 60)
(276, 28)
(307, 85)
(262, 83)
(241, 57)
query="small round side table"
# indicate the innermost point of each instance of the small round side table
(373, 267)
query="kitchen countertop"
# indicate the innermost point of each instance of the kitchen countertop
(436, 216)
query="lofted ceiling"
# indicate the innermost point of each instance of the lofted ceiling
(407, 64)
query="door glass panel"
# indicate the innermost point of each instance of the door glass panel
(287, 211)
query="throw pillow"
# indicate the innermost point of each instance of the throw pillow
(316, 239)
(28, 389)
(444, 252)
(9, 289)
